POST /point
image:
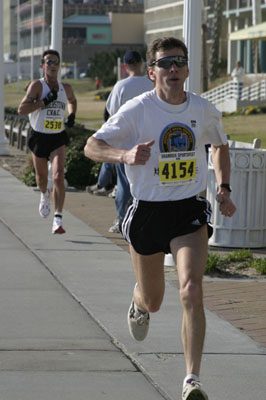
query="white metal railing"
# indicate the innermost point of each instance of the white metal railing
(235, 90)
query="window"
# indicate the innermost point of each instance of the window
(74, 33)
(243, 3)
(232, 4)
(98, 36)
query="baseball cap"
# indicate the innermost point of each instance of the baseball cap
(132, 57)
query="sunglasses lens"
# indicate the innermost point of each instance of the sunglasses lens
(50, 62)
(165, 63)
(181, 64)
(168, 61)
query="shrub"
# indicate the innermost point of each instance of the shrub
(29, 176)
(80, 171)
(11, 110)
(103, 95)
(248, 110)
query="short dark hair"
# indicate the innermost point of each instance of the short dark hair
(52, 52)
(132, 57)
(166, 43)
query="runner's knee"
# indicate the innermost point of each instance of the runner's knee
(58, 177)
(153, 304)
(191, 295)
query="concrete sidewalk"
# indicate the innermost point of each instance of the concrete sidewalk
(64, 301)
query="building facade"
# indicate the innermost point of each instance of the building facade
(239, 15)
(9, 28)
(165, 18)
(88, 26)
(85, 35)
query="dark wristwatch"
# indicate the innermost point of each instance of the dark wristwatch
(226, 186)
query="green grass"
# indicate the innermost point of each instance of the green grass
(239, 255)
(246, 128)
(259, 264)
(213, 262)
(242, 259)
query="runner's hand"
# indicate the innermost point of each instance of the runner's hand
(71, 120)
(51, 96)
(227, 207)
(139, 154)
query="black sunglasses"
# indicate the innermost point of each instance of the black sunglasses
(167, 62)
(51, 62)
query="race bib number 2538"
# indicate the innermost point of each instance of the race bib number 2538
(177, 168)
(54, 125)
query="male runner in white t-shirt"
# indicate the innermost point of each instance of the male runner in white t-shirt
(47, 102)
(160, 136)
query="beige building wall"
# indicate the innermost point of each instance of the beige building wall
(163, 18)
(127, 28)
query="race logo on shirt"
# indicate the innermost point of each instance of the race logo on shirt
(177, 137)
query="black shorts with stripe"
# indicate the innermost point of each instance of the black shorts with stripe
(43, 144)
(150, 226)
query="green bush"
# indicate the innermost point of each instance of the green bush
(11, 110)
(29, 176)
(102, 95)
(80, 170)
(248, 110)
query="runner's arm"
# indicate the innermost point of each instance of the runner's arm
(99, 150)
(31, 101)
(221, 163)
(71, 98)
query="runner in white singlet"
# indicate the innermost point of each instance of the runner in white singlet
(48, 102)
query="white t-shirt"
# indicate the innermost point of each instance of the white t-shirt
(238, 74)
(51, 118)
(125, 90)
(180, 133)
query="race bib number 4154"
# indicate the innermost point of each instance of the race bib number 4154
(177, 168)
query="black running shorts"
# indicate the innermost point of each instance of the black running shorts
(43, 144)
(150, 226)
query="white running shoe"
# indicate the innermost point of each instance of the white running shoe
(102, 191)
(44, 207)
(113, 193)
(57, 225)
(192, 391)
(115, 228)
(138, 322)
(92, 188)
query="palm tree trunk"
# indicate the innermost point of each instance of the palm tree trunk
(216, 31)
